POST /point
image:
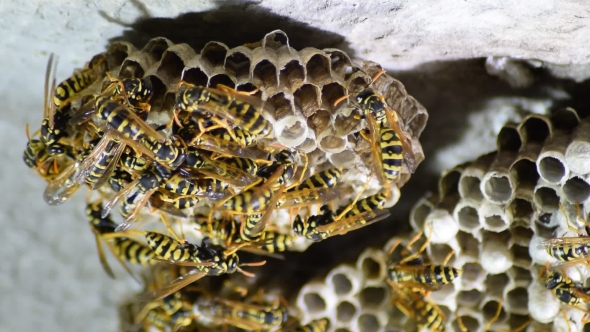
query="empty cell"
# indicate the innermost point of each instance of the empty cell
(519, 322)
(358, 84)
(214, 54)
(221, 79)
(520, 274)
(342, 284)
(521, 235)
(576, 190)
(469, 188)
(247, 87)
(195, 76)
(339, 62)
(468, 217)
(551, 169)
(306, 99)
(156, 47)
(318, 68)
(117, 53)
(518, 298)
(490, 310)
(314, 302)
(472, 272)
(345, 311)
(372, 297)
(468, 244)
(498, 188)
(171, 67)
(371, 268)
(368, 323)
(521, 256)
(292, 74)
(470, 323)
(331, 143)
(319, 121)
(495, 283)
(439, 252)
(346, 125)
(346, 158)
(449, 183)
(494, 222)
(130, 69)
(266, 72)
(547, 199)
(469, 298)
(331, 93)
(521, 209)
(238, 65)
(565, 119)
(534, 129)
(508, 139)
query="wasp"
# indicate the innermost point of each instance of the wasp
(420, 308)
(138, 92)
(319, 227)
(246, 316)
(56, 117)
(228, 107)
(132, 161)
(413, 273)
(216, 169)
(567, 291)
(124, 249)
(136, 194)
(317, 189)
(206, 260)
(47, 161)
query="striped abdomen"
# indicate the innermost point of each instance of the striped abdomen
(391, 153)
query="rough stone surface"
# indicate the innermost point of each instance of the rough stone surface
(51, 279)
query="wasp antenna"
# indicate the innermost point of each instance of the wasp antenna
(254, 263)
(340, 99)
(247, 274)
(383, 71)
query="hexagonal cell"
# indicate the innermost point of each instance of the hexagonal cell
(547, 199)
(469, 245)
(213, 54)
(314, 302)
(348, 124)
(469, 298)
(339, 61)
(470, 323)
(467, 216)
(520, 274)
(331, 93)
(130, 69)
(318, 68)
(221, 79)
(508, 139)
(497, 187)
(534, 129)
(521, 235)
(519, 322)
(117, 52)
(170, 67)
(368, 323)
(439, 252)
(292, 75)
(346, 158)
(195, 76)
(495, 255)
(371, 268)
(565, 119)
(472, 272)
(342, 284)
(490, 312)
(520, 210)
(307, 99)
(266, 73)
(521, 256)
(237, 64)
(495, 222)
(576, 189)
(156, 47)
(331, 143)
(544, 231)
(469, 187)
(373, 297)
(449, 182)
(495, 283)
(551, 169)
(345, 311)
(419, 212)
(518, 298)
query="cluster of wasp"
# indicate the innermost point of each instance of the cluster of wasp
(216, 150)
(568, 252)
(412, 279)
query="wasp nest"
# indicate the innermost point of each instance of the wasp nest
(491, 216)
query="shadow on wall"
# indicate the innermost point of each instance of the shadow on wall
(449, 90)
(233, 23)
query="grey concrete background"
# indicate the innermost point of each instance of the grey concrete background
(50, 279)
